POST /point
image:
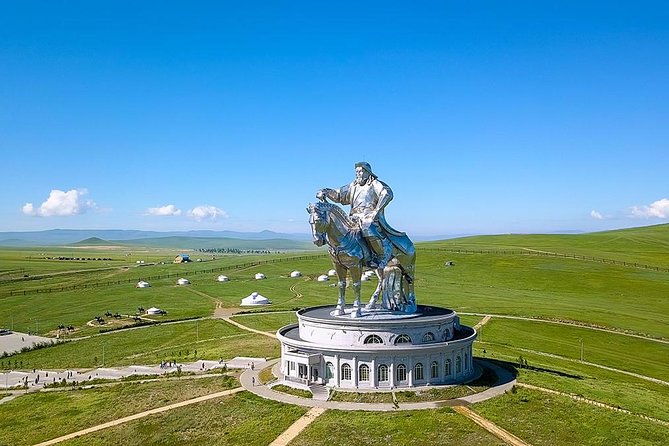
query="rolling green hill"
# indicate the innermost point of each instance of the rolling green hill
(647, 244)
(220, 243)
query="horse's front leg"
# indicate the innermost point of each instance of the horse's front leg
(341, 302)
(356, 276)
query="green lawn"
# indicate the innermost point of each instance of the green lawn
(544, 419)
(442, 426)
(40, 416)
(591, 293)
(613, 388)
(635, 355)
(242, 419)
(213, 339)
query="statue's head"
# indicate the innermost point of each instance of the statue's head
(363, 172)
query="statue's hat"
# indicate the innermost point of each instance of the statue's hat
(366, 166)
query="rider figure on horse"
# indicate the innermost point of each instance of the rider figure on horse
(368, 196)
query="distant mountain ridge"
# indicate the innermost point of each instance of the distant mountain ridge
(69, 236)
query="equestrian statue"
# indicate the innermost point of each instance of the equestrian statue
(363, 239)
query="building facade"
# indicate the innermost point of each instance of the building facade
(379, 350)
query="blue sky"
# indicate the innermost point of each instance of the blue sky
(483, 117)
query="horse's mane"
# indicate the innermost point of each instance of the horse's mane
(339, 212)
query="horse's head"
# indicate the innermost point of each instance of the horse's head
(318, 222)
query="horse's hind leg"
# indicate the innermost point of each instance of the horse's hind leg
(377, 292)
(356, 275)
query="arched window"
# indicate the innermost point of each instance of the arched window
(418, 372)
(458, 364)
(383, 373)
(428, 337)
(345, 371)
(401, 372)
(363, 372)
(447, 367)
(373, 339)
(403, 339)
(329, 370)
(434, 369)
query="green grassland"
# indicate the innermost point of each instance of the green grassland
(241, 419)
(583, 294)
(442, 426)
(546, 419)
(67, 411)
(648, 244)
(181, 342)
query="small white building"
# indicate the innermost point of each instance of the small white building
(154, 311)
(222, 278)
(296, 274)
(260, 276)
(183, 281)
(332, 272)
(142, 284)
(323, 278)
(255, 299)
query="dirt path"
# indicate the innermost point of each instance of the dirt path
(244, 327)
(482, 322)
(592, 402)
(294, 429)
(491, 427)
(140, 415)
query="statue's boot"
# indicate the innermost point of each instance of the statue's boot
(382, 251)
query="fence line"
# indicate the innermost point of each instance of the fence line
(550, 254)
(158, 277)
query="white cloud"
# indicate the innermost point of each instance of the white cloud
(206, 212)
(166, 210)
(61, 203)
(657, 209)
(596, 215)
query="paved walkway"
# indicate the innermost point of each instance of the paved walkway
(37, 379)
(297, 427)
(491, 427)
(250, 379)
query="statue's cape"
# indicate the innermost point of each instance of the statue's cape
(399, 239)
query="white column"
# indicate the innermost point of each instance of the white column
(372, 374)
(391, 373)
(410, 371)
(337, 377)
(354, 372)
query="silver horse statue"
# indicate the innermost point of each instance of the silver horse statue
(349, 253)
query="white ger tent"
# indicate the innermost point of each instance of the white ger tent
(255, 299)
(222, 278)
(323, 278)
(259, 276)
(183, 281)
(142, 284)
(296, 274)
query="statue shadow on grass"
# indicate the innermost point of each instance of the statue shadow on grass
(495, 372)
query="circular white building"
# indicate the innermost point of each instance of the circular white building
(183, 281)
(380, 349)
(223, 278)
(296, 274)
(259, 276)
